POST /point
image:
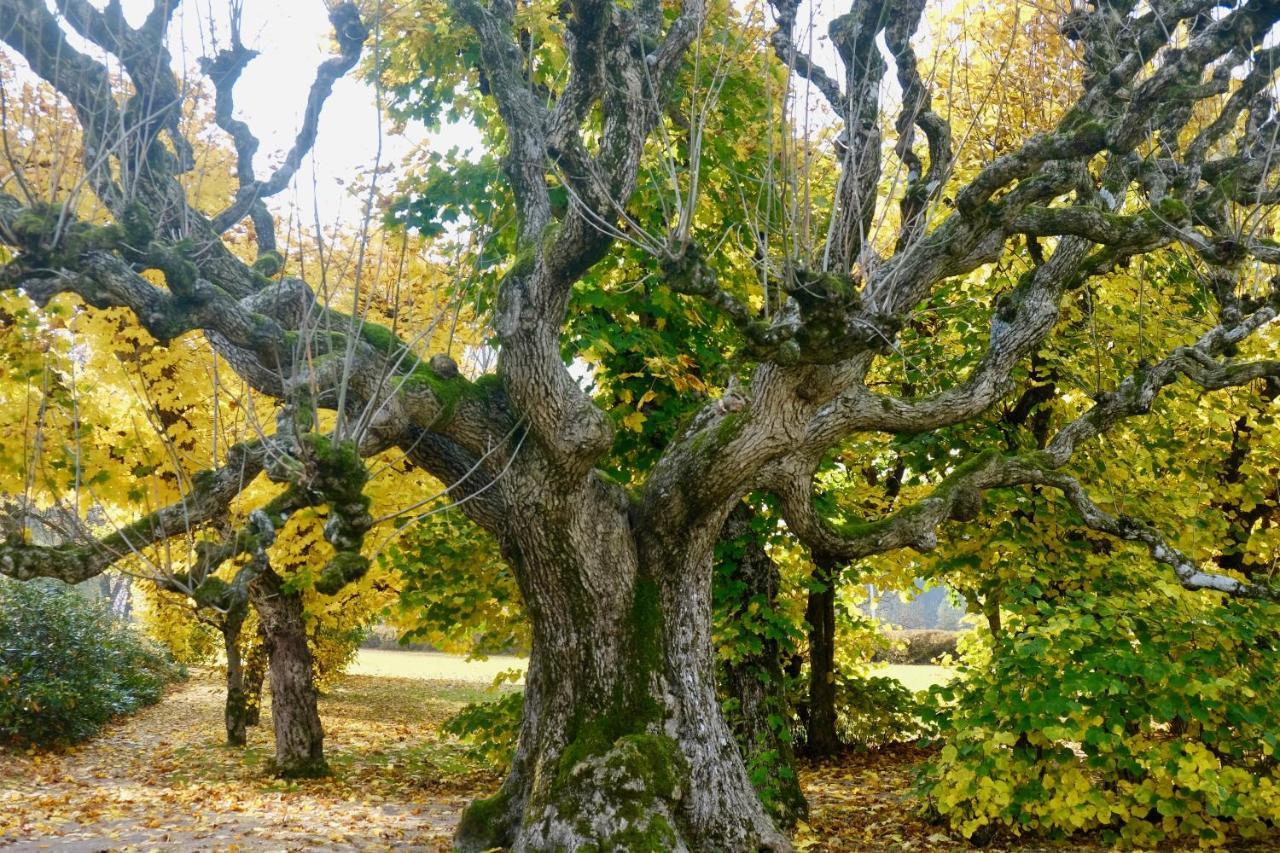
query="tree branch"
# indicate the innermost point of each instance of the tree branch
(350, 33)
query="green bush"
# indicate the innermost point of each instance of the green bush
(67, 666)
(871, 711)
(1151, 717)
(491, 728)
(876, 710)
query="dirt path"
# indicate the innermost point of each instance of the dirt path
(163, 779)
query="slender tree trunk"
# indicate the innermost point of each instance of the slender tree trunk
(299, 735)
(757, 684)
(622, 744)
(236, 711)
(820, 731)
(255, 675)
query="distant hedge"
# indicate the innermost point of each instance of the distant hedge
(67, 665)
(386, 637)
(918, 646)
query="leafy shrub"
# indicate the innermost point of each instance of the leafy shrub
(491, 728)
(67, 666)
(1149, 714)
(871, 711)
(876, 710)
(920, 646)
(170, 621)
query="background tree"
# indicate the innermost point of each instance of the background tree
(93, 392)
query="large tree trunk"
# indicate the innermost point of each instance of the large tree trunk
(622, 745)
(756, 684)
(236, 712)
(296, 721)
(820, 729)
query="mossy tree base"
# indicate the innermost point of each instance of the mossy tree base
(622, 745)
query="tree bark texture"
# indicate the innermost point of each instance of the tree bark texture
(255, 675)
(236, 713)
(296, 721)
(622, 745)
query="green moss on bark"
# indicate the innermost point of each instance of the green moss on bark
(481, 826)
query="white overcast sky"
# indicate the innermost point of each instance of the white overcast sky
(293, 37)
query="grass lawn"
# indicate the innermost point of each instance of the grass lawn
(435, 666)
(915, 677)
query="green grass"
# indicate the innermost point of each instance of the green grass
(915, 677)
(433, 666)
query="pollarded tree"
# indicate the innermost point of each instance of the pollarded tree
(1166, 143)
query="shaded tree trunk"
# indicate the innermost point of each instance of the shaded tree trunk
(820, 613)
(622, 744)
(236, 713)
(255, 674)
(295, 718)
(757, 684)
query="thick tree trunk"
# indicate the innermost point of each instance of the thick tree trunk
(756, 684)
(820, 729)
(622, 744)
(296, 721)
(236, 711)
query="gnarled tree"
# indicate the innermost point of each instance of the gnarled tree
(1168, 144)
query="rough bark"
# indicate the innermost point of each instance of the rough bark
(821, 737)
(236, 711)
(255, 675)
(622, 744)
(755, 682)
(296, 721)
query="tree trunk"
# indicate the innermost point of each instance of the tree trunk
(622, 744)
(756, 684)
(296, 721)
(255, 674)
(236, 710)
(820, 730)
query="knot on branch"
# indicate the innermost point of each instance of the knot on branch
(348, 29)
(690, 273)
(832, 324)
(443, 366)
(966, 505)
(336, 476)
(225, 68)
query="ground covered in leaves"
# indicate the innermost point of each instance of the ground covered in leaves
(162, 778)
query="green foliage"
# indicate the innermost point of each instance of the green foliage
(1148, 713)
(67, 666)
(491, 728)
(333, 648)
(876, 710)
(456, 592)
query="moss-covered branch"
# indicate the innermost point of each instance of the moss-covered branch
(207, 502)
